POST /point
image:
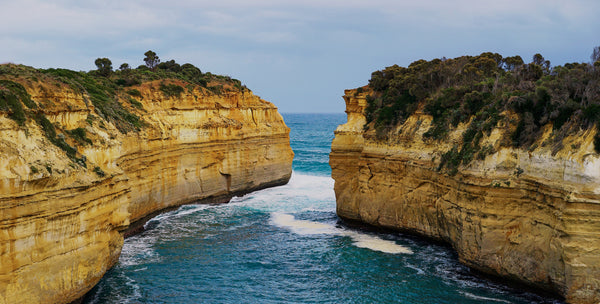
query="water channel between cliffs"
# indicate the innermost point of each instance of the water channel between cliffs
(286, 245)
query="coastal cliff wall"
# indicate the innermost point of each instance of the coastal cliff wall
(530, 216)
(62, 217)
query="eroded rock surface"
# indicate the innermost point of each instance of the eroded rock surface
(62, 224)
(530, 216)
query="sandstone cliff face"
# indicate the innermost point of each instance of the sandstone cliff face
(528, 216)
(61, 225)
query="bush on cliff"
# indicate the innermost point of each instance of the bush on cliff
(477, 89)
(12, 97)
(104, 66)
(171, 90)
(58, 139)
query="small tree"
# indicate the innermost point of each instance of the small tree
(190, 71)
(513, 62)
(547, 64)
(104, 66)
(151, 60)
(125, 67)
(538, 59)
(170, 65)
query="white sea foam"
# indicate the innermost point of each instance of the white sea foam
(310, 193)
(359, 239)
(476, 297)
(133, 295)
(138, 250)
(137, 294)
(419, 270)
(377, 244)
(186, 210)
(302, 227)
(303, 192)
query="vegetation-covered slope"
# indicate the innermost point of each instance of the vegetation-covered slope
(113, 94)
(483, 91)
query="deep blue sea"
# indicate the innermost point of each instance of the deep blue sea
(286, 245)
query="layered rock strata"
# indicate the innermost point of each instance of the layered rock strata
(528, 216)
(62, 224)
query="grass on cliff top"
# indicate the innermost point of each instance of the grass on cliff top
(108, 89)
(12, 98)
(477, 90)
(112, 93)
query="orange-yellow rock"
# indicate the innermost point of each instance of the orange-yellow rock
(531, 216)
(62, 225)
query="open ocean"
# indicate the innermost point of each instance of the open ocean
(286, 245)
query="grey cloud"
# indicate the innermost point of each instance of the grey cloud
(298, 54)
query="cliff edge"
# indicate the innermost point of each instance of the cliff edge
(82, 158)
(530, 215)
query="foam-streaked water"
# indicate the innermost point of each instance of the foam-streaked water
(286, 245)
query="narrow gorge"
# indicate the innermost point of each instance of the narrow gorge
(524, 213)
(85, 161)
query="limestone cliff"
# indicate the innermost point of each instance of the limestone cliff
(527, 215)
(67, 198)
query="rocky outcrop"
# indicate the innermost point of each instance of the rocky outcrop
(529, 216)
(62, 223)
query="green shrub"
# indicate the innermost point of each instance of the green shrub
(12, 97)
(99, 171)
(134, 93)
(103, 96)
(170, 65)
(132, 119)
(171, 90)
(61, 143)
(47, 126)
(190, 72)
(218, 89)
(451, 160)
(79, 134)
(20, 91)
(58, 139)
(436, 132)
(10, 102)
(592, 112)
(68, 74)
(483, 152)
(135, 103)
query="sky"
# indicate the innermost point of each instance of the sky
(301, 54)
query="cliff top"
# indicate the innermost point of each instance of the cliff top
(74, 110)
(113, 94)
(532, 103)
(107, 88)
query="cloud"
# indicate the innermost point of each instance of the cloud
(298, 52)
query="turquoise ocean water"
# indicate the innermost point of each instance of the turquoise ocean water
(286, 245)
